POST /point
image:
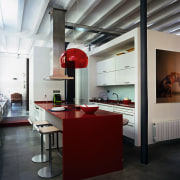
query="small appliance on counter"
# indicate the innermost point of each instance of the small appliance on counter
(103, 96)
(126, 101)
(98, 99)
(57, 97)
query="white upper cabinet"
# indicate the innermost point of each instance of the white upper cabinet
(106, 72)
(125, 61)
(116, 71)
(125, 76)
(106, 79)
(105, 66)
(125, 69)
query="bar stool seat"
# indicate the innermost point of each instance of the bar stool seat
(49, 172)
(40, 157)
(41, 123)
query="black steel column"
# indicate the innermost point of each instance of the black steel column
(27, 84)
(70, 84)
(144, 90)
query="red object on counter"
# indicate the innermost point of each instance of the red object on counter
(90, 109)
(127, 101)
(92, 143)
(74, 58)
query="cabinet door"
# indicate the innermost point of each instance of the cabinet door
(100, 67)
(106, 79)
(128, 130)
(39, 113)
(123, 109)
(125, 76)
(109, 65)
(100, 79)
(36, 113)
(128, 113)
(130, 117)
(105, 107)
(105, 66)
(110, 78)
(125, 61)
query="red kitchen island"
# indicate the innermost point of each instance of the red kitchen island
(92, 143)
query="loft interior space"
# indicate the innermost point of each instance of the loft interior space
(82, 79)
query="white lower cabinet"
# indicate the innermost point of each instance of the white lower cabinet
(128, 130)
(128, 113)
(39, 115)
(105, 107)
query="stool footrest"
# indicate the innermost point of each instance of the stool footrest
(47, 172)
(40, 158)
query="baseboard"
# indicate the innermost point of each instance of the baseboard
(14, 123)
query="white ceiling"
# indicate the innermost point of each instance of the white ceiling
(26, 23)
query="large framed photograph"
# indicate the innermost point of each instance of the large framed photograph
(167, 76)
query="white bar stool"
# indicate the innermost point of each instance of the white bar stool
(49, 172)
(41, 157)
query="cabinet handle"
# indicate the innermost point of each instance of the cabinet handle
(127, 66)
(130, 125)
(127, 82)
(129, 114)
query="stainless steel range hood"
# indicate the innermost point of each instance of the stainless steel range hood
(58, 32)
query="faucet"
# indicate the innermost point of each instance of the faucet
(117, 96)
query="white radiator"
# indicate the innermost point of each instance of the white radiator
(166, 130)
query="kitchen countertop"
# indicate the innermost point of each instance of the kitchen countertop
(92, 143)
(73, 111)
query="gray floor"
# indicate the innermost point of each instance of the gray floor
(19, 144)
(16, 110)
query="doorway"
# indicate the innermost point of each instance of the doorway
(14, 80)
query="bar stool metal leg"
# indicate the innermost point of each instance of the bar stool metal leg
(57, 144)
(40, 157)
(48, 172)
(57, 141)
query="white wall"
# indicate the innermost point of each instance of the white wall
(12, 67)
(39, 70)
(93, 89)
(159, 111)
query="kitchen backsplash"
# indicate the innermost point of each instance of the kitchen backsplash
(122, 91)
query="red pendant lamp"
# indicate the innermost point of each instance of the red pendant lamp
(74, 58)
